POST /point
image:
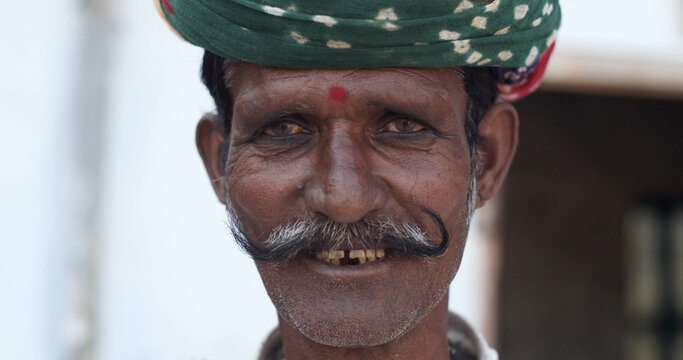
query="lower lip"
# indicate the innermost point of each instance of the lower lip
(368, 269)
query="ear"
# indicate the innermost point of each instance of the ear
(499, 131)
(210, 138)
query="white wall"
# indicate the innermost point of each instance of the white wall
(632, 48)
(36, 68)
(638, 29)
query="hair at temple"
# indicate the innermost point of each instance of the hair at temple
(480, 85)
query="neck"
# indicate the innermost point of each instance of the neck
(427, 340)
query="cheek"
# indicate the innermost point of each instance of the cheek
(264, 192)
(437, 180)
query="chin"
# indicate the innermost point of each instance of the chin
(352, 332)
(355, 322)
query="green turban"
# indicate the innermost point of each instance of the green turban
(369, 33)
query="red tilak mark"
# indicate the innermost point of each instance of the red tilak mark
(338, 95)
(167, 5)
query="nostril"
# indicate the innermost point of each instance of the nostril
(348, 205)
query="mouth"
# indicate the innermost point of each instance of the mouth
(350, 257)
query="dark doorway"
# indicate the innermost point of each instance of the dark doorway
(583, 161)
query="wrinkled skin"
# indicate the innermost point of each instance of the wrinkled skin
(350, 144)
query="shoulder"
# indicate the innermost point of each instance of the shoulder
(467, 342)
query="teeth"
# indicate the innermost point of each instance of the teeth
(363, 255)
(338, 254)
(357, 254)
(325, 254)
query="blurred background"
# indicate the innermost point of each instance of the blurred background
(113, 246)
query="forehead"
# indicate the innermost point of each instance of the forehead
(444, 83)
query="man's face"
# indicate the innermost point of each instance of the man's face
(350, 145)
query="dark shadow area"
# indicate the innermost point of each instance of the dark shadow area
(583, 161)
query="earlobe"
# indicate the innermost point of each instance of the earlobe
(499, 132)
(210, 141)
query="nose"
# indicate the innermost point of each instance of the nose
(342, 186)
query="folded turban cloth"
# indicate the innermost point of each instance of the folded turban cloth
(515, 37)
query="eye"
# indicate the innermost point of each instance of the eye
(403, 125)
(284, 128)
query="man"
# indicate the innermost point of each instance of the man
(352, 143)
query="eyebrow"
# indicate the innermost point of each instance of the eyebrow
(419, 104)
(421, 110)
(259, 114)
